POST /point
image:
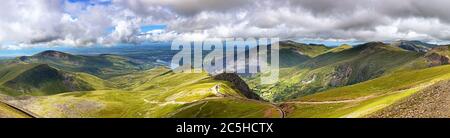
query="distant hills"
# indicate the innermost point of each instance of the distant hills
(7, 111)
(416, 46)
(41, 79)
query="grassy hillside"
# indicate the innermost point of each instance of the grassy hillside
(340, 48)
(8, 112)
(442, 50)
(416, 46)
(291, 57)
(58, 91)
(228, 108)
(103, 66)
(310, 50)
(11, 71)
(154, 93)
(41, 79)
(365, 98)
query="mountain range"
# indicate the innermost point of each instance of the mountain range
(366, 80)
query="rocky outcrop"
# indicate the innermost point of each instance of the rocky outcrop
(238, 84)
(435, 59)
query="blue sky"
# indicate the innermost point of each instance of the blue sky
(143, 28)
(147, 28)
(329, 42)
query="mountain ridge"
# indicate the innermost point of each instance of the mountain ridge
(342, 81)
(103, 66)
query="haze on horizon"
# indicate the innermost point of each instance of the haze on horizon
(42, 23)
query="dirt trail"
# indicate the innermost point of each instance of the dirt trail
(282, 112)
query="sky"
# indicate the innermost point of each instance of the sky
(80, 23)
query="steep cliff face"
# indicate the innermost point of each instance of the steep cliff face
(238, 84)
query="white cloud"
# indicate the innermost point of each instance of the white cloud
(57, 22)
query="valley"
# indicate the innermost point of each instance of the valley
(316, 81)
(9, 111)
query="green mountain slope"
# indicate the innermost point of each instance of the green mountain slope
(363, 99)
(416, 46)
(155, 93)
(294, 53)
(315, 81)
(11, 71)
(228, 108)
(291, 57)
(340, 48)
(104, 66)
(438, 56)
(345, 66)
